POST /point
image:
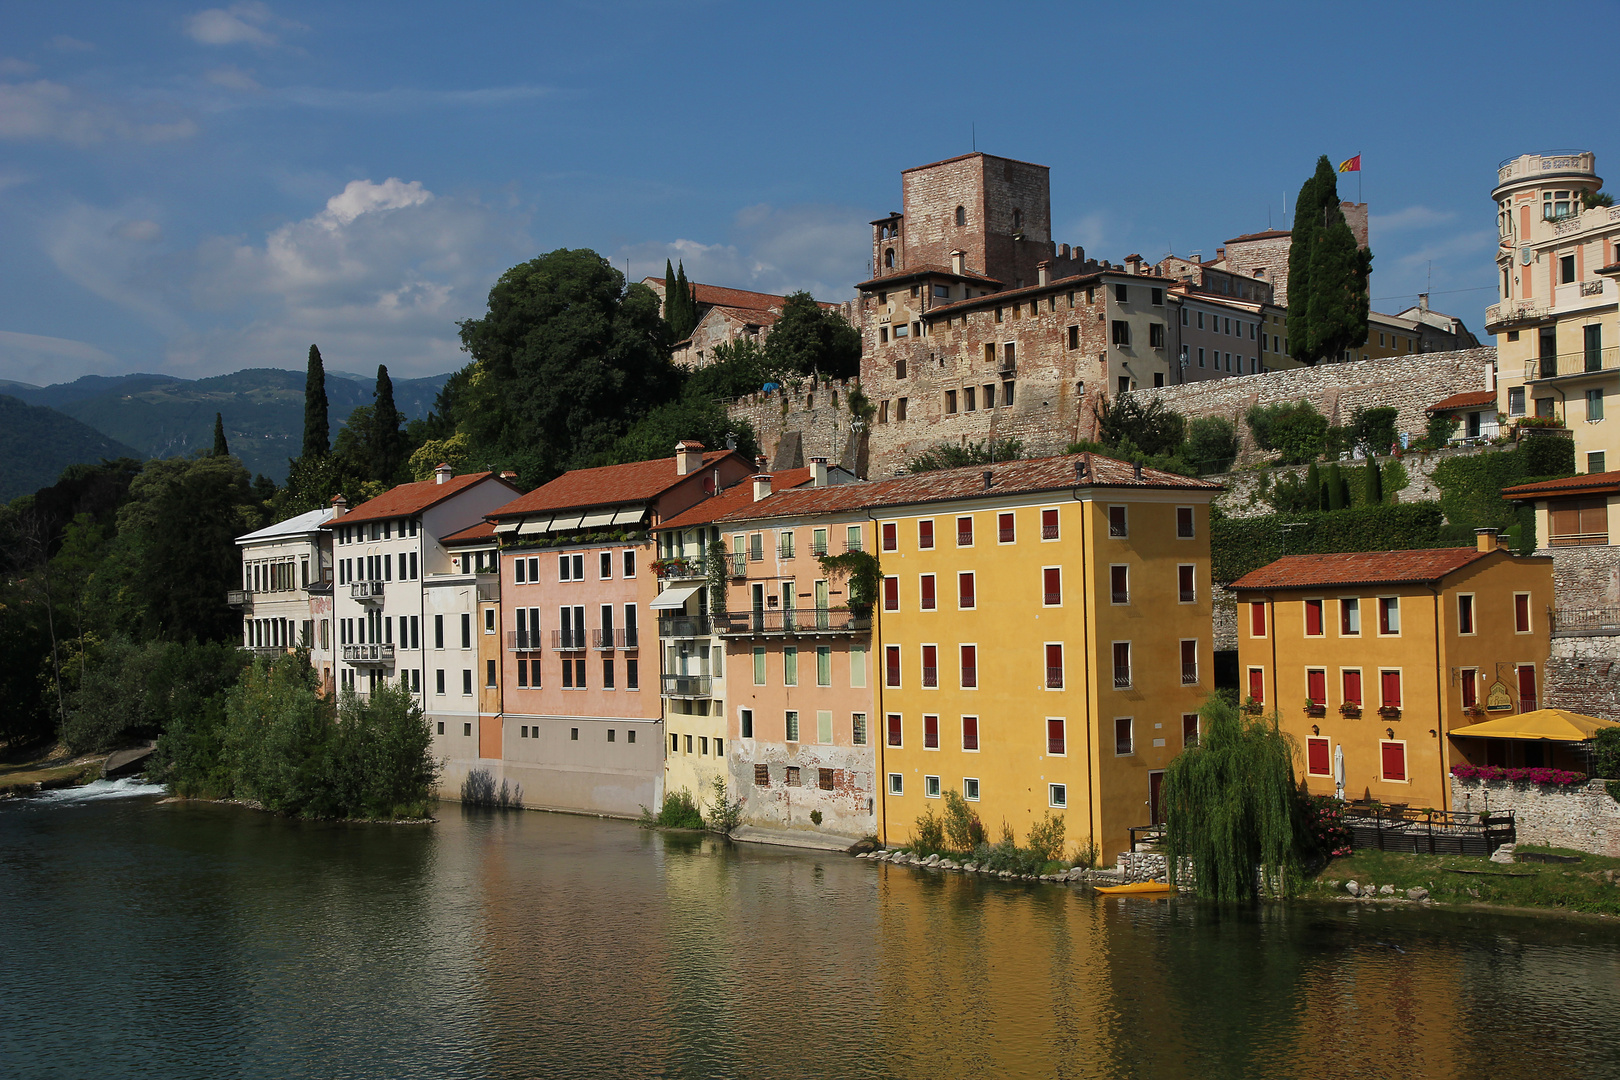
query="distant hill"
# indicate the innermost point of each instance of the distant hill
(37, 443)
(161, 416)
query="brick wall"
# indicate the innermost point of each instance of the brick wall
(793, 426)
(1583, 817)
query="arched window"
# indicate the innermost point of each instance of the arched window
(961, 216)
(888, 258)
(1018, 221)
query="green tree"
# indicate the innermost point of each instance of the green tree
(680, 303)
(1232, 808)
(387, 441)
(1293, 428)
(809, 339)
(1375, 483)
(1212, 444)
(1313, 488)
(567, 358)
(1327, 273)
(657, 432)
(1152, 428)
(1338, 492)
(317, 427)
(221, 448)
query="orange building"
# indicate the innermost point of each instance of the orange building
(1377, 656)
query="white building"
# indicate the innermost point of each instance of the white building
(286, 593)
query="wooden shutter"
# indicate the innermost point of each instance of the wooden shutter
(890, 541)
(894, 729)
(970, 665)
(1390, 689)
(891, 594)
(1257, 619)
(1318, 759)
(1316, 686)
(970, 732)
(964, 585)
(1313, 618)
(1054, 736)
(1257, 684)
(1527, 687)
(1052, 585)
(1352, 688)
(931, 732)
(1393, 755)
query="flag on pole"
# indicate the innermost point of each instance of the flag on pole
(1352, 165)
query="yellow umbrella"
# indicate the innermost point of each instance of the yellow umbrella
(1552, 724)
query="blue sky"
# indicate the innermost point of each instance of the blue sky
(193, 189)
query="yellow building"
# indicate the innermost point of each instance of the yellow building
(1377, 656)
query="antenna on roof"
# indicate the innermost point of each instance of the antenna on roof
(975, 131)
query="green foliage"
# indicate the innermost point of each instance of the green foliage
(1374, 487)
(317, 424)
(1395, 478)
(718, 568)
(678, 811)
(478, 788)
(864, 574)
(1374, 429)
(680, 303)
(25, 648)
(1439, 431)
(1314, 494)
(1293, 428)
(311, 484)
(277, 730)
(963, 830)
(1046, 838)
(1338, 492)
(381, 757)
(1606, 753)
(1471, 486)
(928, 835)
(1006, 855)
(726, 813)
(738, 368)
(1238, 545)
(1546, 456)
(221, 448)
(387, 442)
(38, 443)
(1212, 444)
(954, 456)
(129, 691)
(1590, 200)
(1231, 807)
(655, 434)
(1327, 273)
(1152, 429)
(811, 340)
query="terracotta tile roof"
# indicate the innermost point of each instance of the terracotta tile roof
(609, 485)
(752, 316)
(925, 270)
(406, 500)
(1472, 400)
(1007, 478)
(719, 296)
(1570, 485)
(1268, 234)
(735, 497)
(1359, 568)
(481, 533)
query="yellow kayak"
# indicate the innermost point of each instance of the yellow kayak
(1137, 887)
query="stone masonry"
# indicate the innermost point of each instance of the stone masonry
(1584, 817)
(1583, 670)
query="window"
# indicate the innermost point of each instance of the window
(1577, 521)
(1055, 743)
(688, 742)
(857, 666)
(824, 667)
(1527, 687)
(573, 734)
(790, 665)
(1318, 757)
(890, 536)
(1184, 522)
(1057, 795)
(629, 564)
(965, 596)
(1189, 729)
(931, 787)
(964, 532)
(466, 630)
(857, 729)
(1313, 618)
(1521, 613)
(897, 784)
(1389, 689)
(1594, 404)
(893, 729)
(517, 572)
(745, 719)
(1594, 461)
(1515, 401)
(970, 666)
(1051, 586)
(1316, 685)
(1189, 662)
(825, 779)
(925, 534)
(1392, 759)
(961, 217)
(930, 733)
(852, 538)
(791, 725)
(489, 621)
(1074, 337)
(604, 565)
(791, 776)
(1054, 665)
(1118, 522)
(1122, 665)
(1389, 615)
(489, 674)
(1120, 332)
(926, 596)
(900, 409)
(891, 594)
(930, 666)
(1186, 588)
(1124, 736)
(1349, 617)
(1350, 686)
(438, 681)
(466, 682)
(891, 665)
(1257, 685)
(438, 631)
(1465, 613)
(1155, 335)
(1119, 578)
(1470, 687)
(818, 542)
(759, 665)
(1257, 619)
(1566, 270)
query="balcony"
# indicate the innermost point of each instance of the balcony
(679, 568)
(368, 654)
(1565, 365)
(1122, 678)
(930, 677)
(687, 686)
(568, 641)
(1054, 678)
(489, 588)
(792, 622)
(684, 626)
(739, 564)
(1585, 622)
(240, 598)
(1189, 674)
(610, 638)
(367, 592)
(522, 641)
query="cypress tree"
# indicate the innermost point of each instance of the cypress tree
(1336, 487)
(1327, 274)
(1313, 487)
(220, 449)
(671, 305)
(387, 450)
(1375, 483)
(317, 428)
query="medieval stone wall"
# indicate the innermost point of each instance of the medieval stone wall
(795, 425)
(1583, 817)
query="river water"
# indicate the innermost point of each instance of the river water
(194, 940)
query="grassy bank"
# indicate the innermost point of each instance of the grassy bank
(1590, 885)
(52, 768)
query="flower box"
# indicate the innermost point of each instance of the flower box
(1351, 710)
(1315, 708)
(1390, 712)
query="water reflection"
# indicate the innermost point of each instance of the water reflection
(211, 941)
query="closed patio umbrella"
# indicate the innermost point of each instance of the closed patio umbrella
(1338, 772)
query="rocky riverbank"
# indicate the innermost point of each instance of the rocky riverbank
(1072, 875)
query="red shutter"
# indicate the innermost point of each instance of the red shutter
(890, 540)
(970, 665)
(928, 592)
(930, 665)
(1470, 688)
(964, 585)
(1316, 686)
(892, 658)
(1054, 667)
(1313, 618)
(925, 534)
(1049, 524)
(1352, 688)
(970, 732)
(931, 732)
(894, 729)
(1521, 613)
(1257, 684)
(1054, 736)
(1394, 759)
(1527, 687)
(1318, 761)
(1052, 586)
(891, 594)
(1004, 525)
(1257, 619)
(1390, 683)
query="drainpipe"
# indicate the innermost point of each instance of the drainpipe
(1085, 651)
(1440, 701)
(878, 674)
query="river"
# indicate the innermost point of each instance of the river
(195, 940)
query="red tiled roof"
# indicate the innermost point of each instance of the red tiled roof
(1268, 234)
(752, 316)
(1007, 478)
(409, 499)
(609, 485)
(1570, 485)
(483, 532)
(719, 296)
(924, 270)
(735, 497)
(1471, 400)
(1359, 568)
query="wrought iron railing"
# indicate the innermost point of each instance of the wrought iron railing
(614, 637)
(1189, 674)
(1054, 678)
(523, 641)
(1585, 622)
(791, 621)
(1584, 362)
(239, 598)
(568, 640)
(687, 685)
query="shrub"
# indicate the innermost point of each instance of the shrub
(1238, 545)
(1439, 431)
(478, 789)
(1295, 429)
(1606, 753)
(1324, 818)
(1152, 428)
(134, 691)
(963, 829)
(679, 811)
(1374, 429)
(1046, 838)
(726, 813)
(928, 835)
(1006, 855)
(1212, 444)
(952, 456)
(1557, 777)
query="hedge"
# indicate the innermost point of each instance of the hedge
(1238, 545)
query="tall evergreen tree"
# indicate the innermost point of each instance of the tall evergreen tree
(387, 442)
(1327, 273)
(220, 448)
(680, 304)
(317, 428)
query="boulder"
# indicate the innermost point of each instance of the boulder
(863, 847)
(1352, 888)
(1503, 854)
(1416, 894)
(1386, 890)
(932, 860)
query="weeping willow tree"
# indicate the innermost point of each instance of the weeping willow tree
(1231, 807)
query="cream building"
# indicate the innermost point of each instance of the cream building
(286, 593)
(1556, 329)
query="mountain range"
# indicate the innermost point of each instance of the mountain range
(161, 416)
(37, 443)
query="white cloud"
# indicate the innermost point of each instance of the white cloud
(238, 24)
(1408, 219)
(233, 78)
(35, 358)
(71, 44)
(141, 230)
(50, 110)
(10, 65)
(364, 197)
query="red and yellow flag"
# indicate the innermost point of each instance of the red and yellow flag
(1351, 165)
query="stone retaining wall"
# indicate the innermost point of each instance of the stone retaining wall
(1584, 817)
(1247, 490)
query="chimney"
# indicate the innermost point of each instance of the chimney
(340, 506)
(508, 474)
(1063, 251)
(762, 486)
(1138, 470)
(1220, 253)
(761, 464)
(1490, 376)
(1423, 301)
(1485, 539)
(442, 473)
(1041, 272)
(1133, 264)
(688, 457)
(818, 472)
(987, 479)
(956, 263)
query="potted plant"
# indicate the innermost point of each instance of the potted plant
(1390, 712)
(1315, 708)
(1252, 707)
(1350, 709)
